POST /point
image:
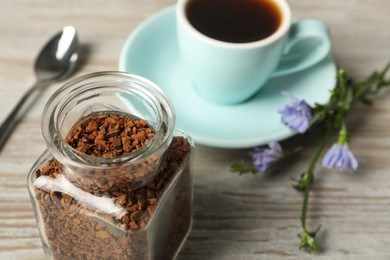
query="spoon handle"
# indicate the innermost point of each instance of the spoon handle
(15, 116)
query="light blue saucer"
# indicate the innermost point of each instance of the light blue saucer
(151, 51)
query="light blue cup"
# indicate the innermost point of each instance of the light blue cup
(230, 73)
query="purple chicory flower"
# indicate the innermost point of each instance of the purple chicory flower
(339, 156)
(296, 115)
(264, 157)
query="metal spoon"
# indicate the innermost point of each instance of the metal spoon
(55, 62)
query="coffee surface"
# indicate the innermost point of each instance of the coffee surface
(237, 21)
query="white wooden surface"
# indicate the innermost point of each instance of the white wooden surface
(236, 217)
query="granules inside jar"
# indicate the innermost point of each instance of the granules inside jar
(99, 214)
(109, 135)
(112, 136)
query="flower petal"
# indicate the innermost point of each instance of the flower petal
(340, 157)
(296, 115)
(264, 157)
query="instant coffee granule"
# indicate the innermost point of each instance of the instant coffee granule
(99, 215)
(109, 135)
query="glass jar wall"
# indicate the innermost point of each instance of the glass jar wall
(93, 198)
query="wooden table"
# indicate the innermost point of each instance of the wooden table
(235, 217)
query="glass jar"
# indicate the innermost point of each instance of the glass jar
(135, 206)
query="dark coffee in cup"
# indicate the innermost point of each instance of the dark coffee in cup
(236, 21)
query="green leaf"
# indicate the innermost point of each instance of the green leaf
(243, 167)
(308, 241)
(302, 182)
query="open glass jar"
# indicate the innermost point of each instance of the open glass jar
(134, 206)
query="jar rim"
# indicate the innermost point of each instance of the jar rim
(55, 106)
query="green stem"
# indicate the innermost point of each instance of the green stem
(343, 134)
(310, 172)
(375, 78)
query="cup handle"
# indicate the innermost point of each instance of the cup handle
(307, 44)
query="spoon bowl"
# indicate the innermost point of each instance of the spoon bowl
(58, 57)
(56, 61)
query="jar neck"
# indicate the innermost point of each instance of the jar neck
(107, 92)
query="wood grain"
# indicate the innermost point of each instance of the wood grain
(235, 217)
